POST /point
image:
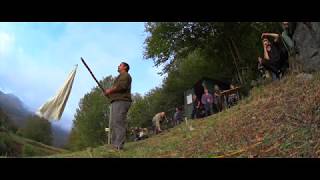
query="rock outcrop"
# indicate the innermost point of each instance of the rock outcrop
(307, 41)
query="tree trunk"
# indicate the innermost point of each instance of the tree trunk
(234, 61)
(236, 49)
(237, 53)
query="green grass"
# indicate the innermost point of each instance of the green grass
(280, 119)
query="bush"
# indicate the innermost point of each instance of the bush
(37, 129)
(28, 151)
(6, 145)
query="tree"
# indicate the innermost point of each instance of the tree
(38, 129)
(137, 112)
(91, 119)
(168, 41)
(144, 108)
(6, 123)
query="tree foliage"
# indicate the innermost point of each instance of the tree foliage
(38, 129)
(6, 123)
(144, 108)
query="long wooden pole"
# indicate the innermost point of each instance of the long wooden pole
(100, 86)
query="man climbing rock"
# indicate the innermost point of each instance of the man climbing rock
(273, 59)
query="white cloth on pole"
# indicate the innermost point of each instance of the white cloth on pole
(54, 107)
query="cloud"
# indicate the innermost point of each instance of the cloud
(6, 44)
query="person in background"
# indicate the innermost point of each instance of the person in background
(177, 117)
(196, 107)
(272, 60)
(207, 101)
(156, 122)
(217, 102)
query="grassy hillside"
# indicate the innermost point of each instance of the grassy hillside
(16, 146)
(280, 119)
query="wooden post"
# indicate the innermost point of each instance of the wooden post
(110, 118)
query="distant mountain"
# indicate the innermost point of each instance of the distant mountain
(18, 113)
(14, 108)
(60, 136)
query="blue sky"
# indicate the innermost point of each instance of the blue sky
(36, 58)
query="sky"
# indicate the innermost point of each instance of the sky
(36, 58)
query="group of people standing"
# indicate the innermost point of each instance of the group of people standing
(212, 103)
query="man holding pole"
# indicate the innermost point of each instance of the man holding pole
(120, 97)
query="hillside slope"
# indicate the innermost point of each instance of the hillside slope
(280, 119)
(18, 113)
(12, 145)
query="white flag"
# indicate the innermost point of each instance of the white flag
(53, 108)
